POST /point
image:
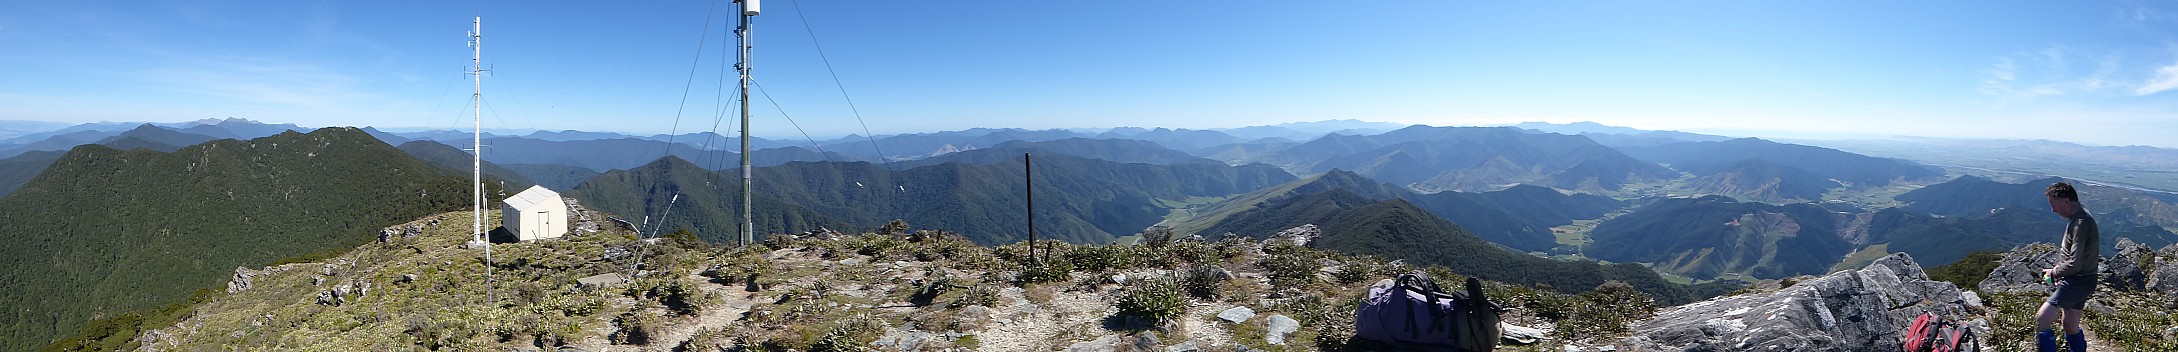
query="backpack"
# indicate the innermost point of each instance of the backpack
(1933, 333)
(1415, 312)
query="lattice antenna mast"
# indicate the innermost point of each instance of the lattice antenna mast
(748, 225)
(476, 173)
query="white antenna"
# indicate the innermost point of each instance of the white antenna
(476, 229)
(748, 224)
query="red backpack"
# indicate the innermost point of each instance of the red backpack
(1932, 333)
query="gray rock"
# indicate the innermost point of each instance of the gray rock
(2021, 270)
(1298, 235)
(1521, 335)
(2129, 249)
(1971, 298)
(1280, 325)
(1116, 279)
(337, 296)
(244, 279)
(2122, 274)
(2095, 305)
(1147, 341)
(1237, 314)
(1570, 348)
(407, 278)
(2165, 277)
(905, 340)
(1101, 344)
(601, 281)
(1855, 310)
(1188, 346)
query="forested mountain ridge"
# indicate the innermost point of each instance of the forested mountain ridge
(1710, 236)
(1520, 217)
(155, 138)
(1762, 180)
(1396, 229)
(104, 232)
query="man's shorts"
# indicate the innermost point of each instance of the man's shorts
(2072, 291)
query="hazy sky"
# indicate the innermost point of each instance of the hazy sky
(2096, 72)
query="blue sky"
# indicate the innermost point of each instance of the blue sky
(2095, 72)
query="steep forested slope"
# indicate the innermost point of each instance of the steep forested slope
(1714, 235)
(105, 232)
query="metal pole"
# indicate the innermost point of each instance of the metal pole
(1028, 181)
(476, 227)
(748, 223)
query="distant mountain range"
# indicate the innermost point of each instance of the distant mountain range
(1519, 217)
(1117, 150)
(1472, 159)
(104, 231)
(624, 153)
(72, 136)
(456, 161)
(1709, 158)
(1079, 200)
(1616, 136)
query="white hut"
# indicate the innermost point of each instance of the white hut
(536, 213)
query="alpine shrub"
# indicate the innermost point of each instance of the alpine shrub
(1155, 301)
(1202, 281)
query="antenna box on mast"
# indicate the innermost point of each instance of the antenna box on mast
(749, 7)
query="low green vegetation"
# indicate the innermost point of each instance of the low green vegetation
(809, 293)
(1967, 273)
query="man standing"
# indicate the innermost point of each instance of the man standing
(2074, 274)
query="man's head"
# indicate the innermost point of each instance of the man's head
(2063, 200)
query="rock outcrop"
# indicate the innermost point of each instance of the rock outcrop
(1298, 235)
(2123, 272)
(2021, 270)
(2165, 276)
(1858, 310)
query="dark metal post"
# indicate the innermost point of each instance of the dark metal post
(1028, 177)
